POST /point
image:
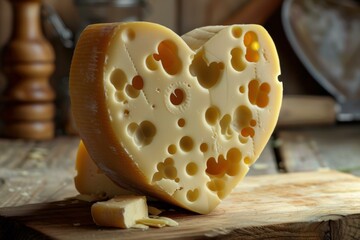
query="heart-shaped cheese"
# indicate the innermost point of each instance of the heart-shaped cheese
(181, 119)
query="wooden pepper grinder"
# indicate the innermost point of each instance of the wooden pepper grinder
(28, 61)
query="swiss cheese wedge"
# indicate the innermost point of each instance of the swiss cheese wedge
(180, 119)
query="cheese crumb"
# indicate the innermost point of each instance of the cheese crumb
(155, 221)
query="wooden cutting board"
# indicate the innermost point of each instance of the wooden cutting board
(312, 205)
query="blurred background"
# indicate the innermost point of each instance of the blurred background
(317, 41)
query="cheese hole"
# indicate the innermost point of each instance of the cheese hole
(233, 170)
(218, 186)
(236, 32)
(211, 186)
(170, 172)
(255, 46)
(166, 170)
(128, 35)
(222, 166)
(177, 97)
(248, 132)
(192, 195)
(216, 168)
(131, 129)
(242, 139)
(259, 93)
(168, 55)
(252, 122)
(251, 55)
(172, 149)
(225, 126)
(204, 147)
(191, 169)
(212, 114)
(247, 161)
(241, 89)
(234, 155)
(249, 38)
(137, 82)
(145, 133)
(263, 97)
(207, 74)
(242, 117)
(252, 46)
(118, 79)
(131, 91)
(126, 112)
(265, 87)
(186, 144)
(150, 63)
(120, 96)
(181, 122)
(236, 59)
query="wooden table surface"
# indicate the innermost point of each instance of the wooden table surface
(33, 171)
(42, 172)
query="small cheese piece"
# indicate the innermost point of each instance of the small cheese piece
(180, 119)
(159, 222)
(90, 180)
(121, 211)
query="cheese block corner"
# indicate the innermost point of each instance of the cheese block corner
(120, 211)
(176, 118)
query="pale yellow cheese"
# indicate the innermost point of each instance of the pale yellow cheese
(158, 222)
(120, 211)
(90, 180)
(180, 119)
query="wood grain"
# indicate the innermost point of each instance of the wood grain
(19, 187)
(311, 149)
(313, 205)
(58, 153)
(35, 172)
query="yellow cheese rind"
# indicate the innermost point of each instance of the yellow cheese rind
(90, 110)
(180, 120)
(120, 211)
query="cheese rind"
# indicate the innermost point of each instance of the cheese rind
(120, 211)
(176, 122)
